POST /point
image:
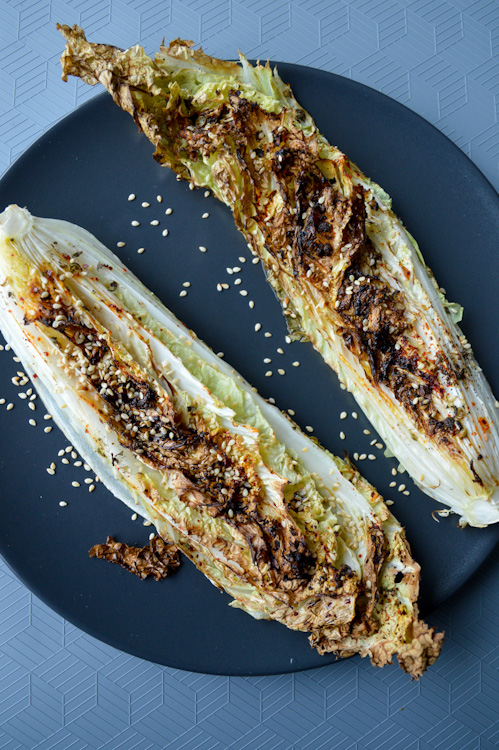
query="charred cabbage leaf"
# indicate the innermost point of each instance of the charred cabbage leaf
(291, 532)
(159, 558)
(350, 277)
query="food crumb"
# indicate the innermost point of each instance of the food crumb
(120, 244)
(75, 484)
(343, 415)
(165, 232)
(62, 503)
(132, 197)
(202, 248)
(168, 211)
(134, 516)
(205, 215)
(135, 223)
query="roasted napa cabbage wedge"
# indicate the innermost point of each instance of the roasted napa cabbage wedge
(288, 530)
(350, 278)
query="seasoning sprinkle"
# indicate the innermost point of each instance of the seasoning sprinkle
(132, 197)
(91, 488)
(343, 415)
(154, 223)
(267, 334)
(134, 516)
(258, 326)
(183, 293)
(75, 484)
(291, 412)
(141, 250)
(205, 215)
(159, 198)
(309, 429)
(243, 293)
(47, 429)
(165, 232)
(120, 244)
(168, 211)
(63, 503)
(145, 204)
(255, 261)
(354, 415)
(251, 304)
(135, 223)
(281, 371)
(295, 364)
(202, 248)
(32, 422)
(342, 435)
(268, 374)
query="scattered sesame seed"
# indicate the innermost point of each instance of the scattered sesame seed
(304, 450)
(392, 484)
(88, 480)
(169, 211)
(154, 223)
(31, 406)
(47, 417)
(134, 516)
(2, 401)
(47, 429)
(191, 186)
(372, 457)
(268, 374)
(206, 193)
(219, 287)
(32, 422)
(401, 487)
(135, 223)
(205, 215)
(91, 488)
(159, 198)
(145, 204)
(287, 339)
(342, 435)
(267, 360)
(343, 415)
(64, 461)
(258, 326)
(75, 484)
(255, 261)
(165, 232)
(61, 453)
(50, 471)
(389, 502)
(147, 523)
(406, 492)
(394, 472)
(237, 282)
(281, 371)
(86, 467)
(295, 364)
(63, 503)
(220, 354)
(120, 244)
(379, 446)
(279, 350)
(183, 293)
(132, 197)
(78, 463)
(151, 536)
(243, 293)
(68, 449)
(267, 334)
(356, 456)
(366, 432)
(22, 395)
(291, 412)
(202, 248)
(141, 250)
(362, 457)
(186, 283)
(242, 259)
(251, 304)
(354, 414)
(74, 455)
(309, 429)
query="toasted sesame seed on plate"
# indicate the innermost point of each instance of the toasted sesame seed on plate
(74, 454)
(135, 223)
(268, 374)
(141, 250)
(145, 204)
(61, 453)
(291, 412)
(354, 415)
(343, 415)
(202, 248)
(134, 516)
(159, 198)
(165, 232)
(258, 326)
(295, 364)
(50, 471)
(220, 354)
(281, 371)
(47, 417)
(251, 304)
(242, 259)
(394, 472)
(169, 211)
(255, 261)
(183, 293)
(237, 282)
(389, 502)
(372, 457)
(91, 488)
(309, 428)
(62, 503)
(205, 215)
(267, 334)
(186, 283)
(87, 467)
(154, 223)
(87, 480)
(132, 197)
(287, 339)
(32, 422)
(47, 429)
(147, 523)
(65, 461)
(75, 484)
(401, 487)
(267, 360)
(406, 492)
(342, 435)
(78, 463)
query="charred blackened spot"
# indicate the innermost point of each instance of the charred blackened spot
(476, 477)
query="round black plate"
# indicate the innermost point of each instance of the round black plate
(82, 170)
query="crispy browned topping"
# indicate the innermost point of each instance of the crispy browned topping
(159, 558)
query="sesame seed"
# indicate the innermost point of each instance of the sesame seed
(304, 450)
(224, 286)
(159, 198)
(147, 523)
(229, 271)
(50, 471)
(220, 354)
(64, 461)
(309, 429)
(135, 223)
(132, 197)
(291, 412)
(356, 456)
(145, 204)
(47, 417)
(251, 304)
(169, 211)
(394, 472)
(88, 480)
(61, 453)
(371, 457)
(134, 516)
(141, 250)
(362, 457)
(165, 232)
(392, 484)
(186, 283)
(91, 488)
(281, 371)
(202, 248)
(22, 395)
(258, 326)
(287, 339)
(183, 293)
(255, 261)
(237, 282)
(243, 293)
(32, 422)
(74, 455)
(268, 374)
(267, 334)
(63, 503)
(151, 536)
(379, 446)
(279, 350)
(342, 435)
(78, 463)
(219, 287)
(389, 502)
(205, 215)
(47, 429)
(296, 364)
(68, 449)
(242, 259)
(206, 193)
(75, 484)
(86, 467)
(154, 223)
(230, 513)
(267, 360)
(343, 415)
(406, 492)
(401, 487)
(354, 414)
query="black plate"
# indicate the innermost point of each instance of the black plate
(82, 170)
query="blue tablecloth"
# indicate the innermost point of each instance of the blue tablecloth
(61, 689)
